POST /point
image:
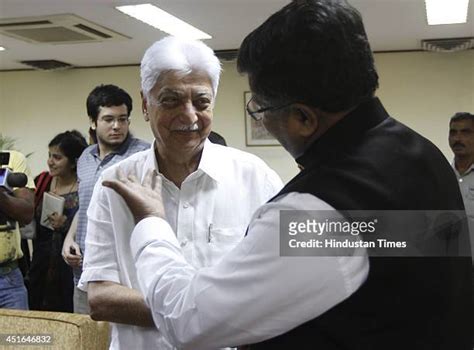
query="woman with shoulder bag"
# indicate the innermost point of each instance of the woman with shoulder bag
(50, 278)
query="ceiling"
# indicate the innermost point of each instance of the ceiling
(392, 25)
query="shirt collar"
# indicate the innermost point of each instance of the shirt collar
(468, 171)
(150, 161)
(208, 164)
(345, 132)
(121, 150)
(209, 160)
(471, 168)
(94, 151)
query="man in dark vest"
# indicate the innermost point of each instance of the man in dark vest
(313, 80)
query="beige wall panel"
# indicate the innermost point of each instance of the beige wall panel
(420, 89)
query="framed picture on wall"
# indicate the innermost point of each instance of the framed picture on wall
(255, 132)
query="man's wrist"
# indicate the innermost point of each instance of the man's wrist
(152, 215)
(148, 230)
(5, 201)
(3, 193)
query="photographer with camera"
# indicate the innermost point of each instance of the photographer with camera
(16, 207)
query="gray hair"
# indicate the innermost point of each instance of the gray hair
(174, 53)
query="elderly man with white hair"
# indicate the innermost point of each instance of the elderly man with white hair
(210, 191)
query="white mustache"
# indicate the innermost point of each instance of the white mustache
(192, 127)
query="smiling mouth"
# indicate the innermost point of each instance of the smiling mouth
(185, 131)
(186, 128)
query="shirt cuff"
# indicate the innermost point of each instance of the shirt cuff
(149, 230)
(97, 274)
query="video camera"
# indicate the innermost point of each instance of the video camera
(9, 180)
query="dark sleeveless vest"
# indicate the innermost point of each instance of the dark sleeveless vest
(369, 161)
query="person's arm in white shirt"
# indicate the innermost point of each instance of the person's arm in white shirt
(108, 299)
(253, 294)
(273, 184)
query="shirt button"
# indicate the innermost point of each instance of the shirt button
(183, 243)
(186, 205)
(460, 180)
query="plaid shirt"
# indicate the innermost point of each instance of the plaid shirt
(89, 169)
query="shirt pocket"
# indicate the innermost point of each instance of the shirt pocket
(226, 236)
(469, 202)
(470, 193)
(220, 242)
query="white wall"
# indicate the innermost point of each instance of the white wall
(424, 90)
(420, 89)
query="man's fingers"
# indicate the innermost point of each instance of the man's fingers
(148, 180)
(73, 262)
(77, 249)
(132, 178)
(121, 175)
(157, 182)
(122, 189)
(117, 186)
(71, 257)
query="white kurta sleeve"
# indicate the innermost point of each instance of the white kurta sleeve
(251, 295)
(99, 262)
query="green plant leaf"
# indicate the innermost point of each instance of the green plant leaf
(8, 143)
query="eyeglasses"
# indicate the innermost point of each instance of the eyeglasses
(111, 120)
(258, 113)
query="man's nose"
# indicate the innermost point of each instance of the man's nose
(189, 114)
(455, 137)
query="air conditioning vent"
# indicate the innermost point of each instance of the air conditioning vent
(447, 44)
(17, 24)
(47, 64)
(92, 31)
(57, 29)
(49, 35)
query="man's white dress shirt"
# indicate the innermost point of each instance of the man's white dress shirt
(252, 294)
(466, 185)
(209, 215)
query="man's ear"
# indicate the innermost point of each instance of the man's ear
(307, 118)
(92, 123)
(144, 107)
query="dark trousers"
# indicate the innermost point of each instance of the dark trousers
(50, 285)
